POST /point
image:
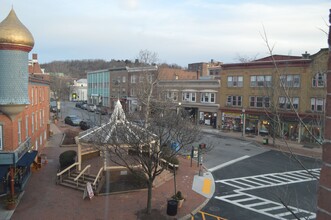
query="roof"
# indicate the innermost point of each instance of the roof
(117, 131)
(167, 73)
(14, 33)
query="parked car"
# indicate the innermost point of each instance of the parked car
(72, 120)
(78, 104)
(86, 124)
(250, 130)
(263, 131)
(53, 107)
(101, 110)
(91, 107)
(84, 106)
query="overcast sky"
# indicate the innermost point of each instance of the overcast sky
(179, 31)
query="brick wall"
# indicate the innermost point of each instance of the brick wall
(324, 191)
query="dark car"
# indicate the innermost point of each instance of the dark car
(72, 120)
(84, 125)
(250, 130)
(101, 110)
(91, 107)
(263, 131)
(78, 104)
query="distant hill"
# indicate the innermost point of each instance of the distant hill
(78, 68)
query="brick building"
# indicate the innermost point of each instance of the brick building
(324, 191)
(289, 86)
(24, 105)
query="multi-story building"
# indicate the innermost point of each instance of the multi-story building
(106, 86)
(202, 68)
(24, 105)
(78, 91)
(290, 88)
(199, 97)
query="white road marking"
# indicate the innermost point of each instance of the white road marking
(251, 202)
(227, 163)
(277, 211)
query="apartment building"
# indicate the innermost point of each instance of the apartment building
(78, 91)
(24, 105)
(199, 97)
(124, 83)
(290, 88)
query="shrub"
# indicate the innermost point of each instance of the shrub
(67, 158)
(139, 179)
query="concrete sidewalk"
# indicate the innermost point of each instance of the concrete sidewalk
(288, 146)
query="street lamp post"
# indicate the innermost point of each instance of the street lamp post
(178, 108)
(244, 122)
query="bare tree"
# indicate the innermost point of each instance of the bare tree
(142, 148)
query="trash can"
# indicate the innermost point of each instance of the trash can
(172, 207)
(265, 140)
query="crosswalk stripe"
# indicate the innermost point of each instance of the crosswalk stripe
(251, 202)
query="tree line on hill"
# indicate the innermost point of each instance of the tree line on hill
(77, 68)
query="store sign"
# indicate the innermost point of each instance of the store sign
(22, 149)
(232, 115)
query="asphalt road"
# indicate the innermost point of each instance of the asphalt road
(256, 187)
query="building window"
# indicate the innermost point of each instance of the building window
(40, 119)
(36, 95)
(141, 79)
(150, 78)
(132, 92)
(285, 103)
(43, 116)
(32, 95)
(19, 131)
(233, 100)
(26, 126)
(259, 102)
(32, 123)
(123, 79)
(317, 104)
(36, 143)
(208, 97)
(261, 81)
(171, 95)
(290, 81)
(41, 139)
(189, 96)
(1, 137)
(45, 136)
(235, 81)
(319, 80)
(36, 120)
(133, 78)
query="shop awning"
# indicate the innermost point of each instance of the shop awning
(27, 159)
(3, 170)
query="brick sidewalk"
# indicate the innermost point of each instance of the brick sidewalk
(43, 199)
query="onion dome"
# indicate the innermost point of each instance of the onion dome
(14, 35)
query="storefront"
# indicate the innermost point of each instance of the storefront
(20, 169)
(231, 121)
(208, 118)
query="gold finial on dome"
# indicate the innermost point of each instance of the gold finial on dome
(14, 35)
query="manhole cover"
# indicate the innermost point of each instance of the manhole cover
(214, 209)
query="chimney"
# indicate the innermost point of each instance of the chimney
(305, 55)
(35, 56)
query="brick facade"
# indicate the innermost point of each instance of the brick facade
(324, 191)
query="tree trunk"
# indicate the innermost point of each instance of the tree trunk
(149, 197)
